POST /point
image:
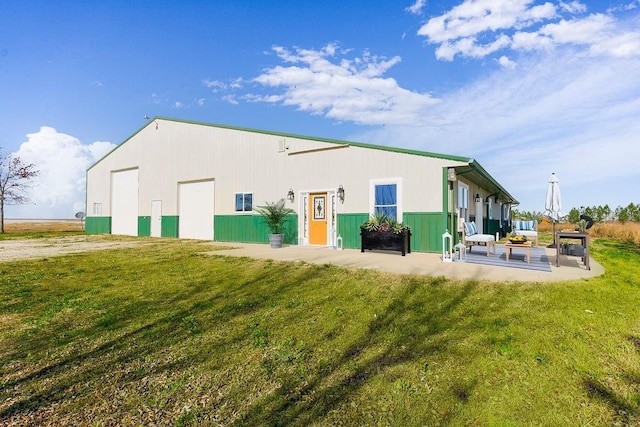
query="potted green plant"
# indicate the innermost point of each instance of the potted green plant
(275, 215)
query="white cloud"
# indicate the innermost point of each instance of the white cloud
(155, 98)
(230, 99)
(417, 7)
(506, 62)
(473, 17)
(326, 82)
(478, 28)
(625, 45)
(59, 190)
(217, 86)
(573, 7)
(570, 104)
(567, 113)
(634, 4)
(237, 83)
(578, 31)
(214, 85)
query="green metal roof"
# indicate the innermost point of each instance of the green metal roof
(473, 172)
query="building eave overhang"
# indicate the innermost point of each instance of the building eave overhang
(475, 173)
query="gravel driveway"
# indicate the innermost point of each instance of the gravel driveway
(13, 250)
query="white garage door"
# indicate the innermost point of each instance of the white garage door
(124, 202)
(195, 208)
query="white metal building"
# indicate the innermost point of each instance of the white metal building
(175, 178)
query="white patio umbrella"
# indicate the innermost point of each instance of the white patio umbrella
(553, 203)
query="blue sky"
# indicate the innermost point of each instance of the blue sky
(525, 87)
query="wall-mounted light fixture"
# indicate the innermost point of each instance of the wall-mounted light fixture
(341, 193)
(478, 198)
(451, 174)
(290, 195)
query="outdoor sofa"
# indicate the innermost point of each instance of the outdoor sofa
(526, 228)
(470, 236)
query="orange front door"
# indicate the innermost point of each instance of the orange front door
(318, 217)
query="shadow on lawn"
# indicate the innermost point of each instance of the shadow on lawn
(112, 357)
(624, 409)
(410, 341)
(95, 372)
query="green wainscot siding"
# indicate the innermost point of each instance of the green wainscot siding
(349, 229)
(169, 226)
(493, 226)
(144, 226)
(426, 230)
(98, 225)
(251, 229)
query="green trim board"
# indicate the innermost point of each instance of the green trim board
(144, 226)
(169, 226)
(349, 228)
(425, 230)
(251, 229)
(97, 225)
(493, 226)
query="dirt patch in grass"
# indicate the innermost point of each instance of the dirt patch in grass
(22, 249)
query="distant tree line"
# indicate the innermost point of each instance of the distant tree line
(598, 213)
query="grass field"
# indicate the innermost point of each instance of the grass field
(625, 232)
(163, 334)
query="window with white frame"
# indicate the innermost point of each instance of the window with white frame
(244, 202)
(386, 197)
(97, 208)
(463, 201)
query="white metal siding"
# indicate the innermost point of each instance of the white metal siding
(252, 162)
(196, 210)
(124, 202)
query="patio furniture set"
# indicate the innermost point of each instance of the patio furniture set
(471, 237)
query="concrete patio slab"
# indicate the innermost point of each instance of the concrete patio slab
(428, 264)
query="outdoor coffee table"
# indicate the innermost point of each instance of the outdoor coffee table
(508, 247)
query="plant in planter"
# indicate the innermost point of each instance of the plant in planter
(384, 232)
(275, 215)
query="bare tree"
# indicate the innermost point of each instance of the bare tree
(15, 179)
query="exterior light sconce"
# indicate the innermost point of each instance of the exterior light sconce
(487, 200)
(478, 198)
(341, 193)
(290, 195)
(451, 174)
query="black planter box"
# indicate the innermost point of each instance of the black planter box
(386, 241)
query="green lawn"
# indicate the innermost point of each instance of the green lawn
(164, 334)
